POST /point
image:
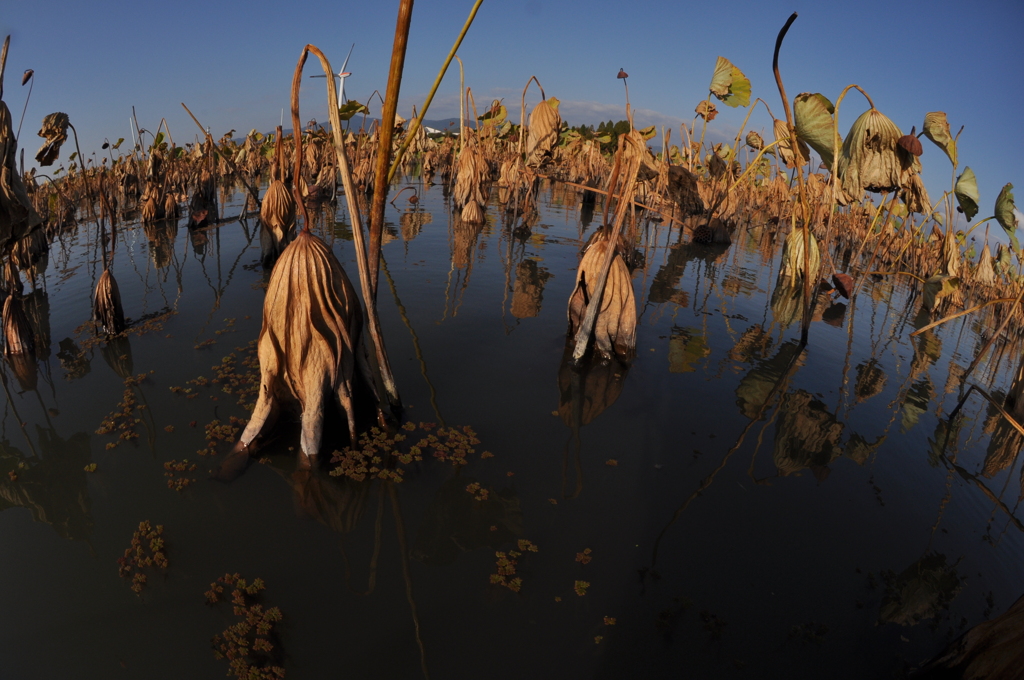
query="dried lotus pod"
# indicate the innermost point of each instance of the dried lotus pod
(910, 143)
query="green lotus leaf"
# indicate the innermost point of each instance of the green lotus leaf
(966, 191)
(815, 125)
(351, 108)
(1004, 214)
(936, 128)
(729, 84)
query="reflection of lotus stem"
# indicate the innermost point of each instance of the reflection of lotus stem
(415, 340)
(404, 550)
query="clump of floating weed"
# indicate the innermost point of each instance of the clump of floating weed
(242, 382)
(125, 417)
(176, 474)
(581, 587)
(90, 333)
(146, 551)
(584, 557)
(506, 566)
(216, 431)
(478, 492)
(382, 454)
(246, 644)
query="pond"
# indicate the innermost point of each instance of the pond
(727, 506)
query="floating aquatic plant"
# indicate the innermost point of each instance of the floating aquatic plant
(147, 551)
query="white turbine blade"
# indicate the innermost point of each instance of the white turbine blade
(347, 58)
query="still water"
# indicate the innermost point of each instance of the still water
(690, 519)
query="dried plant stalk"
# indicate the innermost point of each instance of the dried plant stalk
(309, 341)
(106, 305)
(17, 215)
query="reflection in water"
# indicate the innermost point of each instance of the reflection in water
(456, 522)
(918, 397)
(1006, 442)
(806, 436)
(870, 380)
(753, 390)
(37, 310)
(788, 304)
(921, 592)
(993, 650)
(529, 289)
(335, 502)
(117, 352)
(686, 346)
(161, 234)
(584, 394)
(587, 391)
(72, 360)
(412, 222)
(54, 487)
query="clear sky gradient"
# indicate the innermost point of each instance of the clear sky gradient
(232, 63)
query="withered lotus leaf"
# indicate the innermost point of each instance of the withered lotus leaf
(106, 304)
(966, 192)
(812, 118)
(1006, 214)
(545, 123)
(871, 156)
(471, 172)
(615, 326)
(793, 256)
(729, 84)
(17, 331)
(785, 147)
(936, 128)
(308, 345)
(706, 110)
(277, 220)
(985, 274)
(754, 141)
(55, 131)
(17, 215)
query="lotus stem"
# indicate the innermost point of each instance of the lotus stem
(522, 110)
(804, 208)
(415, 125)
(227, 160)
(376, 336)
(387, 133)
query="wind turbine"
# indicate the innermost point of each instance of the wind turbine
(341, 74)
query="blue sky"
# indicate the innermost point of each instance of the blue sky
(232, 63)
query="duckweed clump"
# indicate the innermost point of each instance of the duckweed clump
(146, 551)
(247, 644)
(176, 474)
(126, 416)
(382, 454)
